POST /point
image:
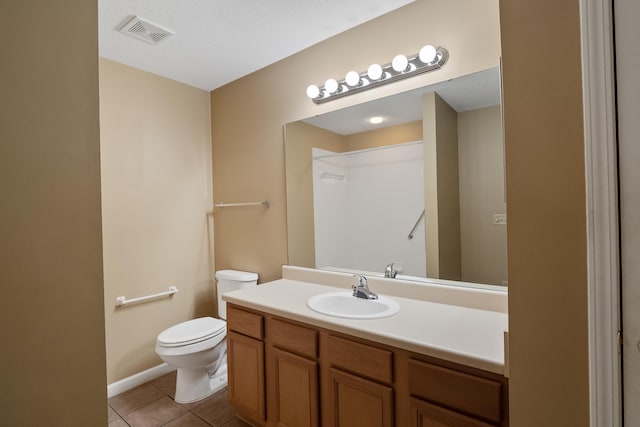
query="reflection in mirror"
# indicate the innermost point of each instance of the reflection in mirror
(356, 191)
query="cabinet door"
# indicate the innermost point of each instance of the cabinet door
(357, 402)
(245, 358)
(296, 387)
(423, 414)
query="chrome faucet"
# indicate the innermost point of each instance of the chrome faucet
(361, 289)
(390, 271)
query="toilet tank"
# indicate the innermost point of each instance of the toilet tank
(232, 280)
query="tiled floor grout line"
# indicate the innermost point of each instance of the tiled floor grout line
(153, 404)
(164, 394)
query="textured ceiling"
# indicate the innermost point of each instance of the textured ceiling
(218, 41)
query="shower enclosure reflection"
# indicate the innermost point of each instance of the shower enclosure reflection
(354, 193)
(365, 203)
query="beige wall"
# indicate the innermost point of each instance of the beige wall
(399, 134)
(546, 214)
(481, 171)
(302, 137)
(248, 114)
(441, 197)
(156, 192)
(52, 362)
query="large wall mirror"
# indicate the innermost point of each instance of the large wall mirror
(422, 190)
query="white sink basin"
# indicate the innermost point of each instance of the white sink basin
(344, 304)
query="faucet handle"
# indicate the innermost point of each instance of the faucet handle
(361, 290)
(362, 282)
(389, 271)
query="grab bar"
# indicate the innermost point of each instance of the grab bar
(266, 203)
(120, 301)
(410, 236)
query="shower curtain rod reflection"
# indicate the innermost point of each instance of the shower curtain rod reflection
(266, 203)
(365, 150)
(335, 176)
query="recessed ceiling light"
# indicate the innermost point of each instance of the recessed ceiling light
(375, 120)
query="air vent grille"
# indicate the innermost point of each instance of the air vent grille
(144, 30)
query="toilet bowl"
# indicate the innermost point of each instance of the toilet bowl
(198, 349)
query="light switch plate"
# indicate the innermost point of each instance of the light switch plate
(499, 219)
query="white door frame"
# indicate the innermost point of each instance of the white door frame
(602, 211)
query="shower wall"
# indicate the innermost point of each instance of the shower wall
(357, 195)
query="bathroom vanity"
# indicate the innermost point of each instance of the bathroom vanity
(431, 364)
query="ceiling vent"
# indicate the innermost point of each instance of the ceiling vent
(144, 30)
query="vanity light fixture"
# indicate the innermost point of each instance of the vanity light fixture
(331, 86)
(400, 64)
(352, 79)
(428, 59)
(375, 72)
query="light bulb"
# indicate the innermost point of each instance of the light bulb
(375, 120)
(400, 63)
(427, 54)
(352, 78)
(331, 85)
(374, 71)
(313, 91)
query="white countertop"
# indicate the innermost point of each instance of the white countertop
(469, 336)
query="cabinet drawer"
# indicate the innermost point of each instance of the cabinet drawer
(362, 359)
(423, 414)
(294, 338)
(475, 396)
(245, 323)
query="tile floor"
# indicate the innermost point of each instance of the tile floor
(151, 405)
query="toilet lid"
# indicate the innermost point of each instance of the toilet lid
(191, 331)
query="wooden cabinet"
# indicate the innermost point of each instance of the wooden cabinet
(360, 380)
(478, 400)
(245, 359)
(424, 414)
(289, 374)
(361, 359)
(293, 338)
(294, 389)
(245, 323)
(358, 402)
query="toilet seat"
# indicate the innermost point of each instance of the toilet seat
(191, 332)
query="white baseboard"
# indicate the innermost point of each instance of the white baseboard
(135, 380)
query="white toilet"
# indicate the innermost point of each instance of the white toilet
(198, 347)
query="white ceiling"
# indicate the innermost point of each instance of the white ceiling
(218, 41)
